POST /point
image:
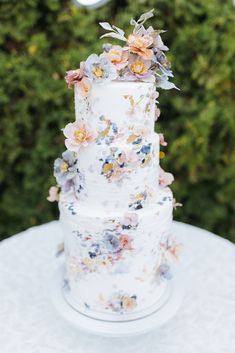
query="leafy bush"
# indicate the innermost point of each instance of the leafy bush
(42, 39)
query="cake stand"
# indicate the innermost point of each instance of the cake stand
(150, 319)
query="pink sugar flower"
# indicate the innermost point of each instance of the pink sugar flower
(77, 77)
(157, 114)
(118, 56)
(53, 194)
(77, 135)
(139, 70)
(162, 140)
(165, 178)
(125, 242)
(72, 77)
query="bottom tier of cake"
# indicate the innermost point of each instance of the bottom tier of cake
(118, 263)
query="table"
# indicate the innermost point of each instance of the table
(30, 324)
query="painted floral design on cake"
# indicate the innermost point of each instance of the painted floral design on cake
(99, 251)
(119, 302)
(138, 200)
(108, 131)
(139, 109)
(119, 164)
(169, 250)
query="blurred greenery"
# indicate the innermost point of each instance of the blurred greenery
(41, 39)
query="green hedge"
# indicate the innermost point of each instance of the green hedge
(41, 39)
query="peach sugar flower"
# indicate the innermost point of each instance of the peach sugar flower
(85, 86)
(77, 77)
(165, 178)
(140, 45)
(118, 56)
(139, 67)
(53, 194)
(128, 303)
(77, 135)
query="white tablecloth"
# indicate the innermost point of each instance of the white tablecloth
(30, 324)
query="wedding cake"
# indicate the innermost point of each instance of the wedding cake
(114, 199)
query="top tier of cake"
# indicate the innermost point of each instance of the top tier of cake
(116, 108)
(119, 167)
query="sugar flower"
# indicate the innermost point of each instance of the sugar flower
(162, 140)
(139, 70)
(157, 42)
(129, 303)
(144, 44)
(165, 178)
(77, 135)
(160, 63)
(65, 169)
(140, 45)
(53, 194)
(118, 56)
(99, 69)
(84, 86)
(77, 77)
(106, 47)
(157, 113)
(74, 76)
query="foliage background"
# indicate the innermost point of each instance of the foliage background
(42, 39)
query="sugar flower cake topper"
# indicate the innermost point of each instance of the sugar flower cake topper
(141, 58)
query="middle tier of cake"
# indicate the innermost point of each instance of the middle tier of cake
(120, 176)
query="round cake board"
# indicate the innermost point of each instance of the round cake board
(117, 328)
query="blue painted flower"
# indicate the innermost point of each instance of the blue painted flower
(65, 169)
(111, 241)
(99, 69)
(165, 271)
(94, 250)
(146, 149)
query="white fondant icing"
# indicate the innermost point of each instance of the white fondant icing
(117, 230)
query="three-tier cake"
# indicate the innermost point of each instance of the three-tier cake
(114, 200)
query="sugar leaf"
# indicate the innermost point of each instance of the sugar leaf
(165, 84)
(106, 26)
(119, 30)
(146, 16)
(133, 22)
(114, 35)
